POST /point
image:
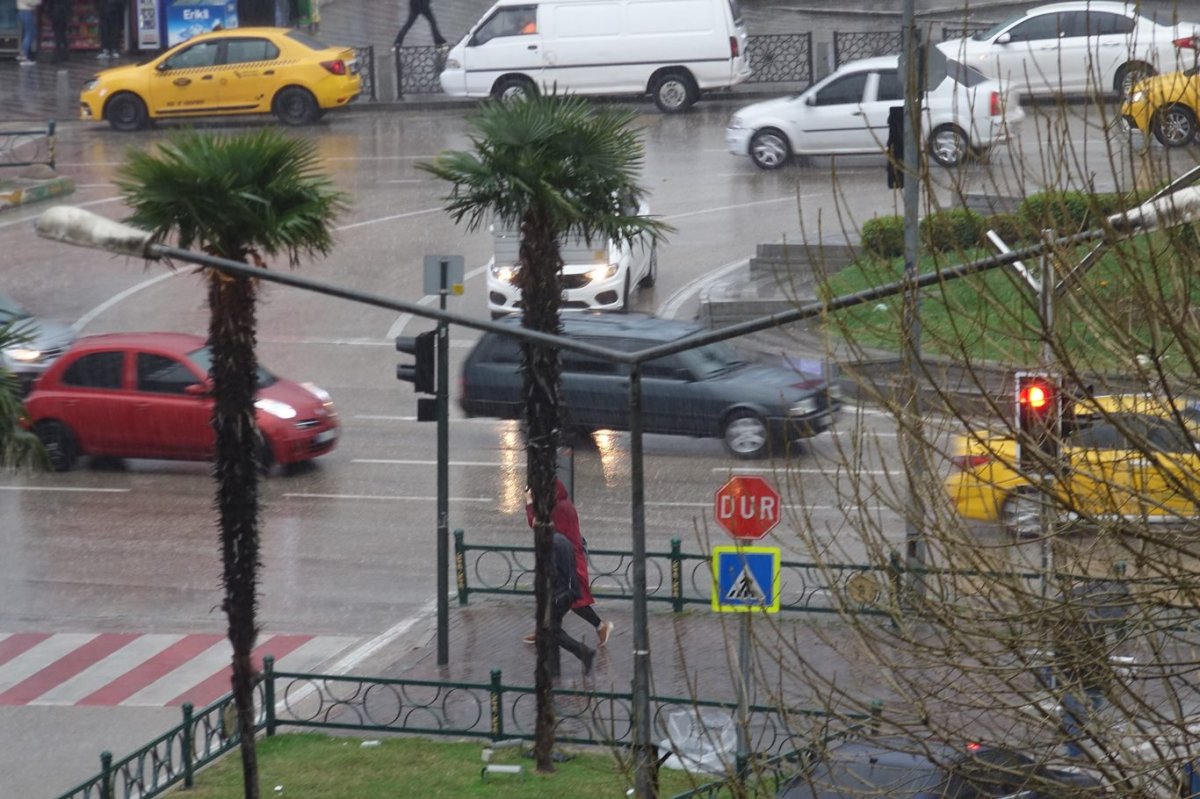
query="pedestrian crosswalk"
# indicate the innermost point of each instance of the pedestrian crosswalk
(139, 670)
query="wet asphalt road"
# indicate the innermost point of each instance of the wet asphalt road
(348, 543)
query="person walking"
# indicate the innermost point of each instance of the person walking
(27, 17)
(566, 521)
(60, 18)
(566, 590)
(420, 8)
(112, 18)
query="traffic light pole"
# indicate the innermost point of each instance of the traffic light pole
(1046, 514)
(443, 473)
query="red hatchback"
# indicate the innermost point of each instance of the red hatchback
(148, 395)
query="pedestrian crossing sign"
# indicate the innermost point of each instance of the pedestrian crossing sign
(745, 579)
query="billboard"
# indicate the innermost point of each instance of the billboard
(188, 18)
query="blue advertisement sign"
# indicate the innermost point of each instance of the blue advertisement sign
(188, 18)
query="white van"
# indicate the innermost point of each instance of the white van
(670, 49)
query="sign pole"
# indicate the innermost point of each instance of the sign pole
(743, 727)
(443, 471)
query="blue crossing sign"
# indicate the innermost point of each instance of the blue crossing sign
(745, 579)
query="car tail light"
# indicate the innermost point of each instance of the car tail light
(1188, 42)
(971, 461)
(996, 107)
(974, 746)
(337, 67)
(733, 47)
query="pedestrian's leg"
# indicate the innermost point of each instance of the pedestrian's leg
(408, 23)
(588, 614)
(565, 641)
(26, 19)
(438, 39)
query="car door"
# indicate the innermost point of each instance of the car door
(596, 391)
(1107, 43)
(94, 402)
(882, 94)
(831, 120)
(671, 399)
(1100, 460)
(507, 42)
(1167, 478)
(1027, 54)
(251, 76)
(187, 81)
(175, 407)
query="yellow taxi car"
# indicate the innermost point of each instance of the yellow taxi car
(1126, 456)
(236, 71)
(1165, 105)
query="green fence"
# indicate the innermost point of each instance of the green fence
(492, 711)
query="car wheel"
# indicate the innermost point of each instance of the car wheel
(770, 149)
(1129, 76)
(1174, 126)
(126, 112)
(1021, 513)
(746, 435)
(651, 277)
(513, 87)
(674, 92)
(948, 145)
(59, 442)
(295, 106)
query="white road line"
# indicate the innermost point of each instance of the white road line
(68, 489)
(185, 677)
(390, 462)
(383, 497)
(735, 206)
(36, 658)
(670, 307)
(403, 319)
(86, 319)
(393, 217)
(106, 670)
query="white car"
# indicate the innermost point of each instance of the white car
(847, 113)
(596, 276)
(1074, 48)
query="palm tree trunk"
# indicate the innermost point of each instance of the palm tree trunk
(232, 336)
(541, 298)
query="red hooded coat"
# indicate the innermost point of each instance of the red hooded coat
(566, 521)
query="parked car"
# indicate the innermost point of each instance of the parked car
(39, 342)
(1081, 47)
(148, 395)
(707, 392)
(1124, 456)
(236, 71)
(1165, 105)
(904, 769)
(596, 276)
(847, 113)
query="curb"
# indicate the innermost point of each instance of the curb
(17, 192)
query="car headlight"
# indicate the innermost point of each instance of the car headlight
(452, 63)
(23, 354)
(1138, 97)
(735, 122)
(506, 273)
(602, 272)
(90, 85)
(804, 407)
(280, 410)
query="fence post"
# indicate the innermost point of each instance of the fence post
(50, 126)
(896, 575)
(399, 74)
(268, 679)
(676, 576)
(374, 76)
(460, 567)
(497, 703)
(189, 747)
(106, 786)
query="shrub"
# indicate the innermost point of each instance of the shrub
(1064, 212)
(1009, 227)
(956, 229)
(883, 236)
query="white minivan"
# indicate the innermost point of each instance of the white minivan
(669, 49)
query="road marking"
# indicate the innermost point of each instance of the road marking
(382, 497)
(670, 308)
(67, 488)
(736, 206)
(389, 462)
(86, 319)
(393, 217)
(403, 319)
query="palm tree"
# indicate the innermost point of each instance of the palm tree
(558, 167)
(240, 197)
(19, 448)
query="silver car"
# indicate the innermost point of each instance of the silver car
(36, 342)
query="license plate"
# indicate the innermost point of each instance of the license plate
(325, 436)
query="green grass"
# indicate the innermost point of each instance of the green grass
(316, 766)
(993, 316)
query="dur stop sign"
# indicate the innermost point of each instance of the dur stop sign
(747, 507)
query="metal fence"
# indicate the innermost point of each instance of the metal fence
(492, 711)
(864, 44)
(366, 70)
(20, 148)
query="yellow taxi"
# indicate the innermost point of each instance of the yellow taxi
(1165, 105)
(236, 71)
(1127, 456)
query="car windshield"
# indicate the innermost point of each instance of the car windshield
(10, 311)
(964, 74)
(983, 36)
(203, 359)
(712, 360)
(855, 779)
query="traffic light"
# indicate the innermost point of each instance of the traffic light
(421, 373)
(1038, 416)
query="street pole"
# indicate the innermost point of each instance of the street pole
(912, 449)
(743, 727)
(443, 473)
(644, 761)
(1046, 514)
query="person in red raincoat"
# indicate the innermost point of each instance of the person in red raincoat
(566, 521)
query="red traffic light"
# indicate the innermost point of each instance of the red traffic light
(1035, 396)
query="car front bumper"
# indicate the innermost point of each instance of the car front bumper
(737, 140)
(597, 295)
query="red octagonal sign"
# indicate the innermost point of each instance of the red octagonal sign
(747, 507)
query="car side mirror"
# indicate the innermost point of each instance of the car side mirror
(162, 67)
(1003, 38)
(198, 389)
(810, 100)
